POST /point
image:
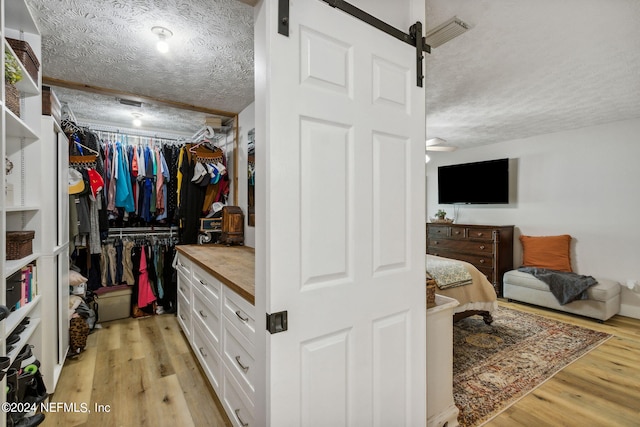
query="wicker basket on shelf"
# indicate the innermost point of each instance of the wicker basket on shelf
(19, 244)
(12, 98)
(431, 293)
(26, 55)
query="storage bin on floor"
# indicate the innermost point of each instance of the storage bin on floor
(114, 302)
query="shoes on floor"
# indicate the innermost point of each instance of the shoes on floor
(4, 312)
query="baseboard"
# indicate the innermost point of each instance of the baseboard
(629, 311)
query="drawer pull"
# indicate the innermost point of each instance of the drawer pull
(435, 242)
(201, 350)
(244, 319)
(204, 316)
(457, 232)
(244, 368)
(203, 282)
(480, 234)
(182, 289)
(481, 261)
(242, 423)
(482, 247)
(182, 316)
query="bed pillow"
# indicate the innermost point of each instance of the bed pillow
(551, 252)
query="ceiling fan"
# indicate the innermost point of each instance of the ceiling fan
(438, 144)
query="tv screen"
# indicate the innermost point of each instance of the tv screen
(474, 183)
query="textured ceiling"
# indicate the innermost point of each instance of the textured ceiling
(532, 67)
(525, 68)
(109, 44)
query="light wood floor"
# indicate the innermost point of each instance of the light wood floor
(600, 389)
(144, 370)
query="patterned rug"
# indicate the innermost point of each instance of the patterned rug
(494, 366)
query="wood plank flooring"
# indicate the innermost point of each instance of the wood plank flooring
(145, 371)
(600, 389)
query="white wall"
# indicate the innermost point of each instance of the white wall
(584, 182)
(246, 122)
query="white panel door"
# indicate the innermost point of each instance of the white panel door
(340, 232)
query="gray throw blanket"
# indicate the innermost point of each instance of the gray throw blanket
(566, 287)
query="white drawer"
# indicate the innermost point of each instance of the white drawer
(207, 284)
(239, 409)
(184, 265)
(184, 315)
(240, 312)
(238, 354)
(184, 286)
(207, 316)
(208, 357)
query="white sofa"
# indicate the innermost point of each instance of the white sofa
(603, 302)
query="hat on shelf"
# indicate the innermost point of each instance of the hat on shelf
(95, 182)
(76, 183)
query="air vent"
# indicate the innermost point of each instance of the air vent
(130, 102)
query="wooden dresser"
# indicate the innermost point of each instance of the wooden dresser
(488, 247)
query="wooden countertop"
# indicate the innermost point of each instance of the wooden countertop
(232, 265)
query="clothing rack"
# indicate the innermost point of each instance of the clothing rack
(143, 231)
(138, 133)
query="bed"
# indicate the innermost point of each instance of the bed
(477, 297)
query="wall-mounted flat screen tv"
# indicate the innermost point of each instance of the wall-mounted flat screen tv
(484, 182)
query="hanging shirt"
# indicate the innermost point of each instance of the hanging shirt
(124, 193)
(145, 294)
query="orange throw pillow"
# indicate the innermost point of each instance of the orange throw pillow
(550, 252)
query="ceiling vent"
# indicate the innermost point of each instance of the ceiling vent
(129, 102)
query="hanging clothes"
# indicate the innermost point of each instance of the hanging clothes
(145, 293)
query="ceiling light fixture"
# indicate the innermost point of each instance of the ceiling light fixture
(136, 119)
(438, 144)
(163, 35)
(445, 32)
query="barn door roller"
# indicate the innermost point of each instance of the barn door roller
(413, 37)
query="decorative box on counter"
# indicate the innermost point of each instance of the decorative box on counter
(19, 244)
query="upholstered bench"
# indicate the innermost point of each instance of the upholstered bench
(603, 302)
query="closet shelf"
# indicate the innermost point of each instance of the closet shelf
(18, 17)
(16, 128)
(22, 208)
(26, 86)
(11, 266)
(25, 336)
(18, 316)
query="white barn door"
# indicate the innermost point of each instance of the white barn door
(340, 220)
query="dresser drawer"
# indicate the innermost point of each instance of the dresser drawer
(184, 286)
(480, 261)
(238, 407)
(184, 315)
(210, 287)
(461, 245)
(240, 312)
(207, 316)
(485, 234)
(209, 358)
(438, 230)
(238, 355)
(183, 264)
(458, 232)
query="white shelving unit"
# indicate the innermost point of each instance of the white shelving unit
(27, 207)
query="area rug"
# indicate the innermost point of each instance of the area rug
(495, 365)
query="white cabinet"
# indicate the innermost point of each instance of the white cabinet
(21, 206)
(441, 409)
(219, 325)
